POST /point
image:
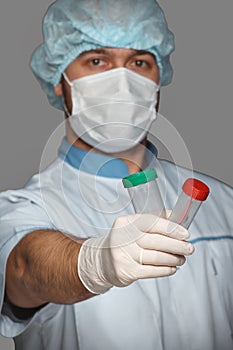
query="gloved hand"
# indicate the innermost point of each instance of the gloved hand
(138, 246)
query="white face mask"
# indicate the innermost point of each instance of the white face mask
(113, 110)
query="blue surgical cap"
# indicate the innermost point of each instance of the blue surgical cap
(71, 27)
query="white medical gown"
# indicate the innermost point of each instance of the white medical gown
(192, 310)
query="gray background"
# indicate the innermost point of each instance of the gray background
(198, 103)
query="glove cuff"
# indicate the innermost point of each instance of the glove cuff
(89, 266)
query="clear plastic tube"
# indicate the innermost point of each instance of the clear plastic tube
(144, 192)
(194, 192)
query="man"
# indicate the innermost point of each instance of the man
(79, 270)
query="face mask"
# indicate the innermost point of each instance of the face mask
(113, 110)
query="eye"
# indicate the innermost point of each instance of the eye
(140, 63)
(96, 62)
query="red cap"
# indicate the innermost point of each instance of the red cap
(196, 189)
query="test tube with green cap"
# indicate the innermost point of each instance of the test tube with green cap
(144, 192)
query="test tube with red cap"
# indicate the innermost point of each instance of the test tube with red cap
(194, 193)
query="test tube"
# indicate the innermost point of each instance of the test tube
(144, 192)
(194, 192)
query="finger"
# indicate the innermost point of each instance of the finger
(151, 223)
(157, 242)
(151, 257)
(148, 271)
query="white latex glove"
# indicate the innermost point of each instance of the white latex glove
(138, 246)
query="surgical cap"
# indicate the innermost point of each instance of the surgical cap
(71, 27)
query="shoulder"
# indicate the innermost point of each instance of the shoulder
(22, 204)
(178, 174)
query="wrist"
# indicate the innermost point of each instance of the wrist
(90, 267)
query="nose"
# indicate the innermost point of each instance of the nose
(119, 63)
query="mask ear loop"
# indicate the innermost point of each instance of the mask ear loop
(67, 79)
(67, 113)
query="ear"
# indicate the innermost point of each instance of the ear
(58, 90)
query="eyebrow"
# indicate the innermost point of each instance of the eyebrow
(142, 52)
(106, 52)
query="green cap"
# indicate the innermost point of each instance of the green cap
(139, 178)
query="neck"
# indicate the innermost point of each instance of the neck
(133, 158)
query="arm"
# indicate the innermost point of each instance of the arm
(42, 268)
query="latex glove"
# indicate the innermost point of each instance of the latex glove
(138, 246)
